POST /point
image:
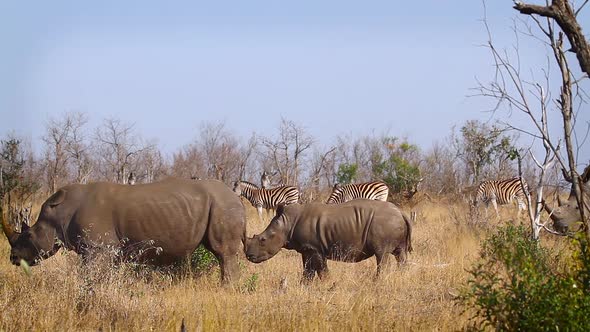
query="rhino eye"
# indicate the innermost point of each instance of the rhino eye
(262, 239)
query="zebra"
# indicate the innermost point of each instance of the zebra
(264, 180)
(502, 192)
(375, 190)
(266, 198)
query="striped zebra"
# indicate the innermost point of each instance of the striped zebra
(266, 198)
(375, 190)
(502, 192)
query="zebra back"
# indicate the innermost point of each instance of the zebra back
(267, 198)
(503, 191)
(375, 190)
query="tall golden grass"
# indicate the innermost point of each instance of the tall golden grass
(63, 294)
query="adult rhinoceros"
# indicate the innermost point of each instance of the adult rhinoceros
(160, 222)
(567, 215)
(350, 232)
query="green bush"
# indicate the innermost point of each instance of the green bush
(518, 285)
(202, 260)
(346, 173)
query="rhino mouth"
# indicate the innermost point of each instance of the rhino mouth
(255, 259)
(15, 260)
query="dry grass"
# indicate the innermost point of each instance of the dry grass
(61, 294)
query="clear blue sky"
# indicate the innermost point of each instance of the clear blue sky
(334, 67)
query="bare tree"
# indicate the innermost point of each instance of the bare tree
(441, 174)
(564, 14)
(150, 165)
(532, 98)
(287, 150)
(221, 150)
(77, 147)
(319, 163)
(189, 162)
(246, 154)
(56, 155)
(118, 148)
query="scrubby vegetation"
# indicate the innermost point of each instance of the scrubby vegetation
(62, 294)
(519, 285)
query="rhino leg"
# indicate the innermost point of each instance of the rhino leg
(382, 261)
(224, 240)
(401, 255)
(313, 262)
(229, 268)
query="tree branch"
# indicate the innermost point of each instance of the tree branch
(563, 14)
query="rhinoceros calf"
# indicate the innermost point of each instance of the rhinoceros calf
(349, 232)
(159, 222)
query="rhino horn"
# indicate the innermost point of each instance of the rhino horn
(8, 230)
(559, 201)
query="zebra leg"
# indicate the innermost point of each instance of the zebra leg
(259, 209)
(521, 206)
(495, 204)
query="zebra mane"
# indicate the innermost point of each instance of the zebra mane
(249, 184)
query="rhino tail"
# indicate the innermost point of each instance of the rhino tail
(408, 233)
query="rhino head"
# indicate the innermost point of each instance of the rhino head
(567, 214)
(37, 242)
(268, 243)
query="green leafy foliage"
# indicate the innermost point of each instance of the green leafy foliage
(346, 173)
(251, 283)
(396, 166)
(517, 285)
(480, 144)
(202, 260)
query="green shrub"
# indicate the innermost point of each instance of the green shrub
(251, 283)
(519, 285)
(202, 260)
(346, 173)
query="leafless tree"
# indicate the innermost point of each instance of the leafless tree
(77, 146)
(150, 165)
(564, 14)
(319, 169)
(441, 174)
(287, 150)
(189, 162)
(221, 150)
(513, 88)
(56, 154)
(118, 147)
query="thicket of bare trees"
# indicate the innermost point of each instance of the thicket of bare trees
(75, 153)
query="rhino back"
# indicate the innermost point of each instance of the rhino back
(357, 227)
(173, 213)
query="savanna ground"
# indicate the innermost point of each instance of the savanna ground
(62, 294)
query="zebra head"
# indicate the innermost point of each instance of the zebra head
(265, 180)
(336, 195)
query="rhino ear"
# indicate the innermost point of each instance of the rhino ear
(280, 210)
(57, 198)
